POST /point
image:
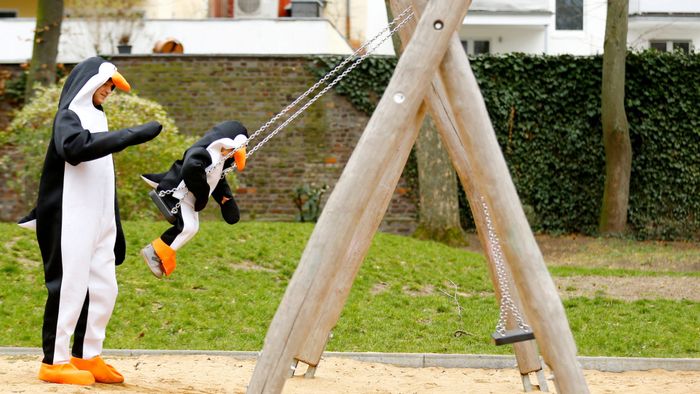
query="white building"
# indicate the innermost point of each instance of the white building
(290, 27)
(576, 26)
(664, 25)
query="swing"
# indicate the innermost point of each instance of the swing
(167, 214)
(366, 49)
(522, 332)
(512, 336)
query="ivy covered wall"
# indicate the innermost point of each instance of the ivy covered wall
(546, 113)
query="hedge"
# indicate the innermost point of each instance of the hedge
(546, 113)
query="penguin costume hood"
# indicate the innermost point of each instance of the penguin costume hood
(191, 170)
(84, 80)
(77, 218)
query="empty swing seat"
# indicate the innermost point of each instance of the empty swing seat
(512, 336)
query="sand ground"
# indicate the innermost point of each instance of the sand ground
(221, 374)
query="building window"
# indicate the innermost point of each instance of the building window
(569, 15)
(658, 45)
(306, 8)
(8, 14)
(671, 45)
(476, 47)
(482, 47)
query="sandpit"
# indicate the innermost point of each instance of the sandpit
(222, 374)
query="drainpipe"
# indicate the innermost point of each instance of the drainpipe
(347, 19)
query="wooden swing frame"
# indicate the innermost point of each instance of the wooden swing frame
(432, 74)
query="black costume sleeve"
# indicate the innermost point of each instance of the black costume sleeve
(229, 209)
(76, 145)
(194, 174)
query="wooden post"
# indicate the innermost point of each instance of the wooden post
(441, 112)
(340, 236)
(313, 347)
(525, 352)
(490, 175)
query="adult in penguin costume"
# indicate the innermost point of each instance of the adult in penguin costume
(194, 178)
(77, 225)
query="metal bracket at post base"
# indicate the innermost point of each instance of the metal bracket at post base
(310, 370)
(527, 385)
(520, 335)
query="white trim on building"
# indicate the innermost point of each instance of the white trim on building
(79, 39)
(494, 26)
(669, 21)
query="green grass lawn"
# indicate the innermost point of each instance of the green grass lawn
(230, 280)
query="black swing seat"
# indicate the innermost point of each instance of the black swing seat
(162, 207)
(512, 336)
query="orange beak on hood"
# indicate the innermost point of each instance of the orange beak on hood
(120, 82)
(239, 157)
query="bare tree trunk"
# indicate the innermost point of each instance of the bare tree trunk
(616, 139)
(395, 40)
(438, 217)
(42, 69)
(439, 208)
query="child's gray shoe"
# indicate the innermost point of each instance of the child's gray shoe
(153, 261)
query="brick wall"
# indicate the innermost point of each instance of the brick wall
(12, 205)
(7, 73)
(200, 91)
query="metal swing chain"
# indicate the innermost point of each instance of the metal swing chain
(176, 208)
(337, 79)
(391, 28)
(507, 304)
(337, 68)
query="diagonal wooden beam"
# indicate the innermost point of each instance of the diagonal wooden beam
(338, 238)
(526, 352)
(490, 177)
(312, 349)
(441, 112)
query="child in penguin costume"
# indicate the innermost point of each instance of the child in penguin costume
(77, 225)
(194, 178)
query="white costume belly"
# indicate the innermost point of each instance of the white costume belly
(88, 236)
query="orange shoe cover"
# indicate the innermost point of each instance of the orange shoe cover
(65, 373)
(103, 372)
(166, 255)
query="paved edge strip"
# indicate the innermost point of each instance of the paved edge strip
(422, 360)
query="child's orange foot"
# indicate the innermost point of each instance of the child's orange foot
(103, 372)
(166, 254)
(65, 373)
